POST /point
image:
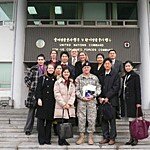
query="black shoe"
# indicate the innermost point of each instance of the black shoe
(135, 142)
(28, 133)
(118, 117)
(65, 142)
(41, 143)
(129, 142)
(61, 142)
(48, 143)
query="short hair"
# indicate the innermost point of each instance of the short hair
(64, 52)
(40, 55)
(107, 59)
(112, 50)
(130, 62)
(100, 54)
(54, 51)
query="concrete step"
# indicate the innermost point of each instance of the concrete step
(35, 146)
(12, 136)
(85, 146)
(22, 137)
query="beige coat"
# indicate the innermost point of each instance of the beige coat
(64, 95)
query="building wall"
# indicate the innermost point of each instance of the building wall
(6, 44)
(91, 40)
(6, 58)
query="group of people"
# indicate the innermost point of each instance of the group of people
(73, 87)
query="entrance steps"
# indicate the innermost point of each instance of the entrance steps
(12, 136)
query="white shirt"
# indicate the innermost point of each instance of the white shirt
(74, 60)
(107, 72)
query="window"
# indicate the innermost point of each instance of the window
(73, 13)
(94, 11)
(127, 11)
(6, 11)
(53, 11)
(5, 75)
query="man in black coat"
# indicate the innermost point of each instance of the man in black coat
(74, 57)
(110, 82)
(64, 56)
(118, 66)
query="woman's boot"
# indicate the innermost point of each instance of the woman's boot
(131, 139)
(135, 142)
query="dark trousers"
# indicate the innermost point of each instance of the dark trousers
(44, 130)
(30, 120)
(109, 133)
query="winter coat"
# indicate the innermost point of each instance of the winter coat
(132, 94)
(45, 92)
(64, 95)
(110, 87)
(31, 80)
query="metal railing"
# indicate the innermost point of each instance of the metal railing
(81, 23)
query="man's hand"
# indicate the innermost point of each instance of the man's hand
(39, 102)
(89, 98)
(101, 100)
(138, 105)
(106, 100)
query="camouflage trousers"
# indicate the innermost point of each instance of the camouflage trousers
(86, 111)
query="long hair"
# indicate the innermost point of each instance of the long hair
(69, 78)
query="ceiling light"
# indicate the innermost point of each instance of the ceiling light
(58, 10)
(32, 10)
(37, 23)
(60, 22)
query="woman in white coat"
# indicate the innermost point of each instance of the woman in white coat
(64, 91)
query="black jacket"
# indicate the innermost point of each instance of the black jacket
(110, 86)
(78, 68)
(132, 95)
(95, 71)
(45, 92)
(118, 66)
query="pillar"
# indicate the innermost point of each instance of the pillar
(143, 15)
(19, 40)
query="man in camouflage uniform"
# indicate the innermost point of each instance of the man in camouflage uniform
(31, 80)
(86, 109)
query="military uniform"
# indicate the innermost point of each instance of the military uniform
(87, 108)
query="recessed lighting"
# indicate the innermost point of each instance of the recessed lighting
(32, 10)
(58, 10)
(37, 23)
(60, 22)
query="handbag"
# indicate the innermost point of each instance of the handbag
(65, 130)
(106, 111)
(139, 128)
(31, 100)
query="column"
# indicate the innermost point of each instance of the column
(18, 66)
(143, 15)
